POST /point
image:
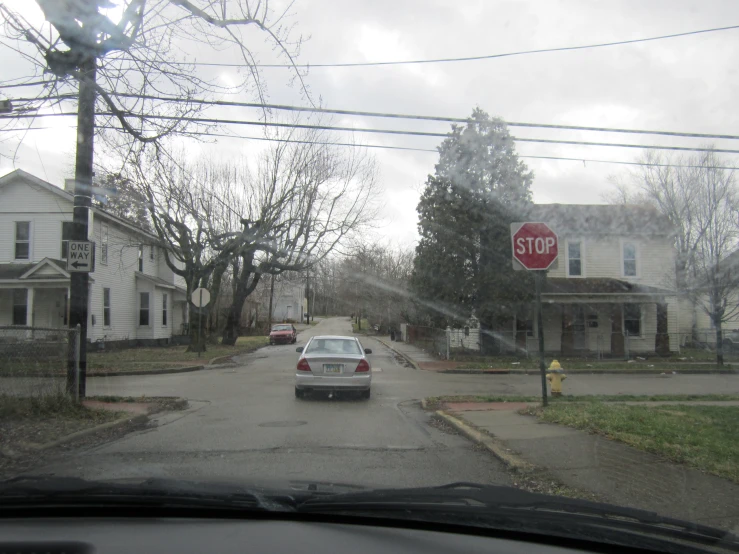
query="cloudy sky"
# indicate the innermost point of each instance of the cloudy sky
(687, 84)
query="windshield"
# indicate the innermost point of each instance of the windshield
(517, 222)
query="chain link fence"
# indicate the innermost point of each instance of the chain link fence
(432, 340)
(695, 346)
(34, 360)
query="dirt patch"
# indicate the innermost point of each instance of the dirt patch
(26, 427)
(442, 425)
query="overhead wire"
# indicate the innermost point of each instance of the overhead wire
(364, 113)
(215, 121)
(466, 58)
(386, 147)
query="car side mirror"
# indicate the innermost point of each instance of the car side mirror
(368, 351)
(299, 349)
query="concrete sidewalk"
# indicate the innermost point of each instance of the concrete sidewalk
(417, 357)
(617, 473)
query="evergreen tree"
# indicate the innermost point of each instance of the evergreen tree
(463, 259)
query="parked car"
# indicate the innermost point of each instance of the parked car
(283, 333)
(333, 363)
(731, 342)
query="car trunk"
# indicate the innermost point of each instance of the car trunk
(336, 365)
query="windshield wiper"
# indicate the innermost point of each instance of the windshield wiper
(500, 504)
(43, 491)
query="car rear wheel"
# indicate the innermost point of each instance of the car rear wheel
(299, 393)
(366, 394)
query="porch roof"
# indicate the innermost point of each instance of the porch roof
(594, 286)
(48, 270)
(159, 282)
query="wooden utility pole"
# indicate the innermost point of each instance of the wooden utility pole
(271, 296)
(79, 282)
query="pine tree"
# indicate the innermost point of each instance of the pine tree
(463, 259)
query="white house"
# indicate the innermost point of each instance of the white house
(612, 289)
(134, 296)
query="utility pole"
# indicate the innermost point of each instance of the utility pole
(271, 296)
(79, 282)
(307, 296)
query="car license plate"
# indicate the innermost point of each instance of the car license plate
(332, 368)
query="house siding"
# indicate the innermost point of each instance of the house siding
(27, 200)
(602, 259)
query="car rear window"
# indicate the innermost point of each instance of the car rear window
(282, 328)
(333, 346)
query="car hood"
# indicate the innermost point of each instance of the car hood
(281, 333)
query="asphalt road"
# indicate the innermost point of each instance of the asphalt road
(246, 424)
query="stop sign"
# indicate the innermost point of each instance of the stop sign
(535, 245)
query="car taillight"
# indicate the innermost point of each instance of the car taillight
(303, 365)
(363, 366)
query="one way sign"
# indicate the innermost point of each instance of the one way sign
(81, 256)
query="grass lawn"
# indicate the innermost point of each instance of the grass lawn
(650, 364)
(703, 437)
(40, 419)
(133, 359)
(437, 401)
(364, 324)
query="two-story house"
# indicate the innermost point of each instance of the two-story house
(612, 289)
(134, 296)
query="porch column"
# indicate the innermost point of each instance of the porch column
(568, 332)
(29, 310)
(617, 333)
(662, 338)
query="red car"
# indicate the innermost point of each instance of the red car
(284, 333)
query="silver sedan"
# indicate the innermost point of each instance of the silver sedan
(333, 363)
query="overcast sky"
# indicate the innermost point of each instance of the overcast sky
(680, 84)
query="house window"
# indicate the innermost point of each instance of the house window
(141, 258)
(20, 305)
(629, 251)
(144, 308)
(106, 307)
(151, 252)
(22, 240)
(67, 227)
(104, 245)
(632, 320)
(164, 309)
(574, 259)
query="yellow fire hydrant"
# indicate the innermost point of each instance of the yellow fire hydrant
(555, 376)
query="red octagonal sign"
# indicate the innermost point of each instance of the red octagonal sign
(535, 245)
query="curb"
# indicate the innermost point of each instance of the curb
(142, 418)
(401, 354)
(152, 372)
(497, 448)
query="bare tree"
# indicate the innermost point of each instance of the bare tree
(301, 200)
(716, 208)
(308, 197)
(145, 74)
(699, 196)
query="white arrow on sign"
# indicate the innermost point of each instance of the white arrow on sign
(81, 256)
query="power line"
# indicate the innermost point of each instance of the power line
(387, 147)
(467, 58)
(31, 84)
(444, 119)
(215, 121)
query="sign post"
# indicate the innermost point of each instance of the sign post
(200, 297)
(535, 248)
